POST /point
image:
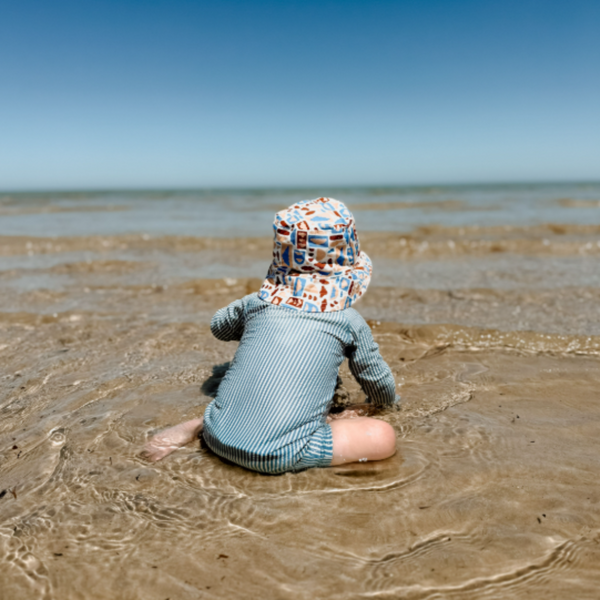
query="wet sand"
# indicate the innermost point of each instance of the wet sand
(493, 493)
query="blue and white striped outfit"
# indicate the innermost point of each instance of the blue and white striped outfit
(269, 414)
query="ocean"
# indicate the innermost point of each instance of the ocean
(485, 302)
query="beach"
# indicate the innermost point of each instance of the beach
(485, 302)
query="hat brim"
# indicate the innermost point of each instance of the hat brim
(318, 292)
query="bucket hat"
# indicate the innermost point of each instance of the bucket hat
(317, 262)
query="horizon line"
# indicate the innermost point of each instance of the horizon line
(291, 188)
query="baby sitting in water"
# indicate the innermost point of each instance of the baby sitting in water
(270, 412)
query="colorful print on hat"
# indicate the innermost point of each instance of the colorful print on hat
(317, 263)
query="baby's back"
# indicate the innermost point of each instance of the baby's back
(279, 387)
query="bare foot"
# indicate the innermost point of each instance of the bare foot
(153, 453)
(169, 440)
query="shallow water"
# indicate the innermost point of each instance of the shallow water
(493, 335)
(493, 491)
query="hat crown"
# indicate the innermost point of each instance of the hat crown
(315, 235)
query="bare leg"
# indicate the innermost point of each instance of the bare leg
(360, 439)
(169, 440)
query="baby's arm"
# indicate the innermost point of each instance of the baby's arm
(370, 370)
(362, 438)
(227, 324)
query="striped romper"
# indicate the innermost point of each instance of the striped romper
(270, 412)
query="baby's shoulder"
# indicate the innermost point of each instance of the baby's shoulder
(249, 302)
(350, 320)
(355, 319)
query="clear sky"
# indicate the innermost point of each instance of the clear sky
(225, 93)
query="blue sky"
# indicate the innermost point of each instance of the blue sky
(178, 94)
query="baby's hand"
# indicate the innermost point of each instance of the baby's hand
(352, 412)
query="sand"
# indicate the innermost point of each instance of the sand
(494, 491)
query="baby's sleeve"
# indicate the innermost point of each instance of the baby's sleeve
(368, 367)
(227, 324)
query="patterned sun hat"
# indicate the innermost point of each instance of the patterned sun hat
(317, 262)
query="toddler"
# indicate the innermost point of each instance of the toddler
(270, 413)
